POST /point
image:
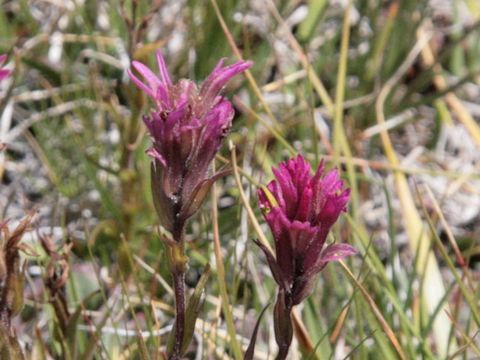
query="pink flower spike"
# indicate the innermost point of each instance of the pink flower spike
(187, 126)
(300, 209)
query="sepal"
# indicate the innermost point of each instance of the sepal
(199, 194)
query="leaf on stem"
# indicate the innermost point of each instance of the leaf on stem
(251, 347)
(193, 309)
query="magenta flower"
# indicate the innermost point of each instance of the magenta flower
(300, 210)
(3, 72)
(187, 127)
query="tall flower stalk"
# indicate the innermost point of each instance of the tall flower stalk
(300, 209)
(187, 126)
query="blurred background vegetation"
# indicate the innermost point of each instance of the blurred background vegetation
(386, 90)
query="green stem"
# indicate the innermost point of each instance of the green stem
(178, 268)
(179, 286)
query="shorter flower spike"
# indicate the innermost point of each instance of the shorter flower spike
(300, 209)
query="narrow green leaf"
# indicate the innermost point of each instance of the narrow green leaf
(251, 347)
(193, 309)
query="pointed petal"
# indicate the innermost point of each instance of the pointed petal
(332, 182)
(320, 169)
(208, 81)
(217, 80)
(284, 186)
(140, 84)
(218, 66)
(277, 193)
(164, 74)
(334, 205)
(163, 98)
(263, 199)
(152, 80)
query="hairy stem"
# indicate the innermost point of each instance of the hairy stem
(178, 267)
(179, 286)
